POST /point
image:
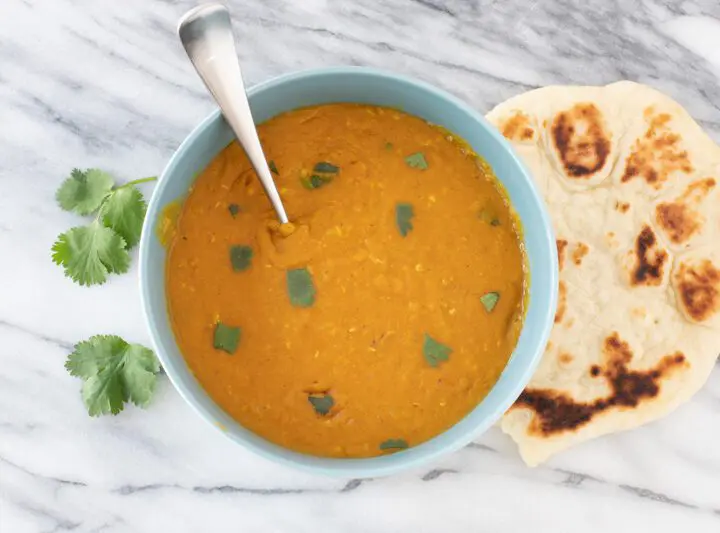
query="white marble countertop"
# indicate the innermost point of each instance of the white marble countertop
(105, 83)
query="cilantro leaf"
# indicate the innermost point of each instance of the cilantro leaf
(300, 287)
(322, 404)
(114, 372)
(435, 352)
(403, 218)
(124, 211)
(93, 355)
(240, 257)
(226, 338)
(416, 160)
(273, 168)
(323, 167)
(84, 191)
(89, 253)
(489, 300)
(315, 181)
(394, 444)
(103, 394)
(234, 209)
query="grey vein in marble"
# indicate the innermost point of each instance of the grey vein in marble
(102, 83)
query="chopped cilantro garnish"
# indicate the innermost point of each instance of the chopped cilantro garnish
(226, 338)
(315, 181)
(417, 160)
(404, 214)
(321, 404)
(240, 257)
(393, 445)
(434, 351)
(300, 287)
(323, 167)
(490, 300)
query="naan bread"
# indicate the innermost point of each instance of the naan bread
(631, 183)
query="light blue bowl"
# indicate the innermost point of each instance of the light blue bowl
(367, 86)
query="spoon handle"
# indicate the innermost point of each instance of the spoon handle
(206, 34)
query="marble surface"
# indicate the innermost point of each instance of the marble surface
(105, 83)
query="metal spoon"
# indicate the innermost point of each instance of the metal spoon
(206, 35)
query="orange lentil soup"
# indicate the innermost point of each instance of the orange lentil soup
(378, 318)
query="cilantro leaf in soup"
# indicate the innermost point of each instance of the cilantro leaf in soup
(321, 404)
(404, 214)
(315, 181)
(89, 253)
(394, 445)
(489, 300)
(300, 287)
(240, 257)
(273, 168)
(114, 372)
(124, 211)
(435, 352)
(323, 167)
(388, 146)
(324, 173)
(226, 338)
(234, 209)
(416, 160)
(84, 191)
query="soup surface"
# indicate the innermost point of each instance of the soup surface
(381, 316)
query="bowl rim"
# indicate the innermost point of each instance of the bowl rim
(352, 467)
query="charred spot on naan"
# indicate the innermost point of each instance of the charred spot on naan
(565, 358)
(518, 127)
(581, 140)
(679, 219)
(561, 245)
(556, 412)
(657, 154)
(581, 250)
(622, 207)
(698, 287)
(650, 259)
(562, 302)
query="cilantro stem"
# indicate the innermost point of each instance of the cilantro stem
(137, 182)
(123, 186)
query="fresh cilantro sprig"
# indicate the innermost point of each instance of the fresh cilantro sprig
(114, 372)
(89, 253)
